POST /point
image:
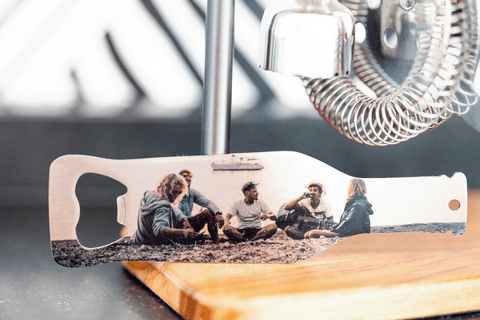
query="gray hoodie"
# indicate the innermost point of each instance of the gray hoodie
(154, 215)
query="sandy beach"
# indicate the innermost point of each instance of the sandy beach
(278, 249)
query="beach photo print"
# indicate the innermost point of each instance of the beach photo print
(272, 207)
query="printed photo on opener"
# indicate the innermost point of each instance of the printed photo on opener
(265, 208)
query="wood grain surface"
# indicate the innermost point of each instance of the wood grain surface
(375, 276)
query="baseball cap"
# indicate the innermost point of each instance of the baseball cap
(249, 185)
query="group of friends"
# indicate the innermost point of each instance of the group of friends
(165, 214)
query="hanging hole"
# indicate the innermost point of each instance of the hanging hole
(97, 195)
(454, 205)
(360, 33)
(390, 38)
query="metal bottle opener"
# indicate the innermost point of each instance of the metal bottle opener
(420, 204)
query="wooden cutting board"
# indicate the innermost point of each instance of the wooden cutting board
(375, 276)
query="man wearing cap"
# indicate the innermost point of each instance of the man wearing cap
(210, 215)
(251, 212)
(314, 205)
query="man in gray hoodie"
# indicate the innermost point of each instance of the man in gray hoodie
(159, 222)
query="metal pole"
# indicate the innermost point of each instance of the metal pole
(217, 88)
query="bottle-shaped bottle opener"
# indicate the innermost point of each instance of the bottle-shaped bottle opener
(273, 207)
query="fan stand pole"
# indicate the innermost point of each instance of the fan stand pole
(217, 88)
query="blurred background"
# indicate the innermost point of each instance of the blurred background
(123, 79)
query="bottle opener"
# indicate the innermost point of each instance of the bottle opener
(276, 227)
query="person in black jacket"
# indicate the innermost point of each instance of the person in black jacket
(356, 215)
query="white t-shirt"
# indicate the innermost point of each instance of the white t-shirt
(249, 214)
(324, 209)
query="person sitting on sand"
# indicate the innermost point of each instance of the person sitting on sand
(210, 215)
(315, 206)
(356, 216)
(251, 212)
(158, 221)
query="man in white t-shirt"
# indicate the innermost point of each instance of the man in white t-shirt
(316, 207)
(251, 212)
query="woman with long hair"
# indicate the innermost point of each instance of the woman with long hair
(158, 221)
(165, 188)
(356, 215)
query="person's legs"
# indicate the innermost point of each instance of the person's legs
(233, 234)
(205, 217)
(294, 233)
(266, 232)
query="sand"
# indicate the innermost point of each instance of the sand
(278, 249)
